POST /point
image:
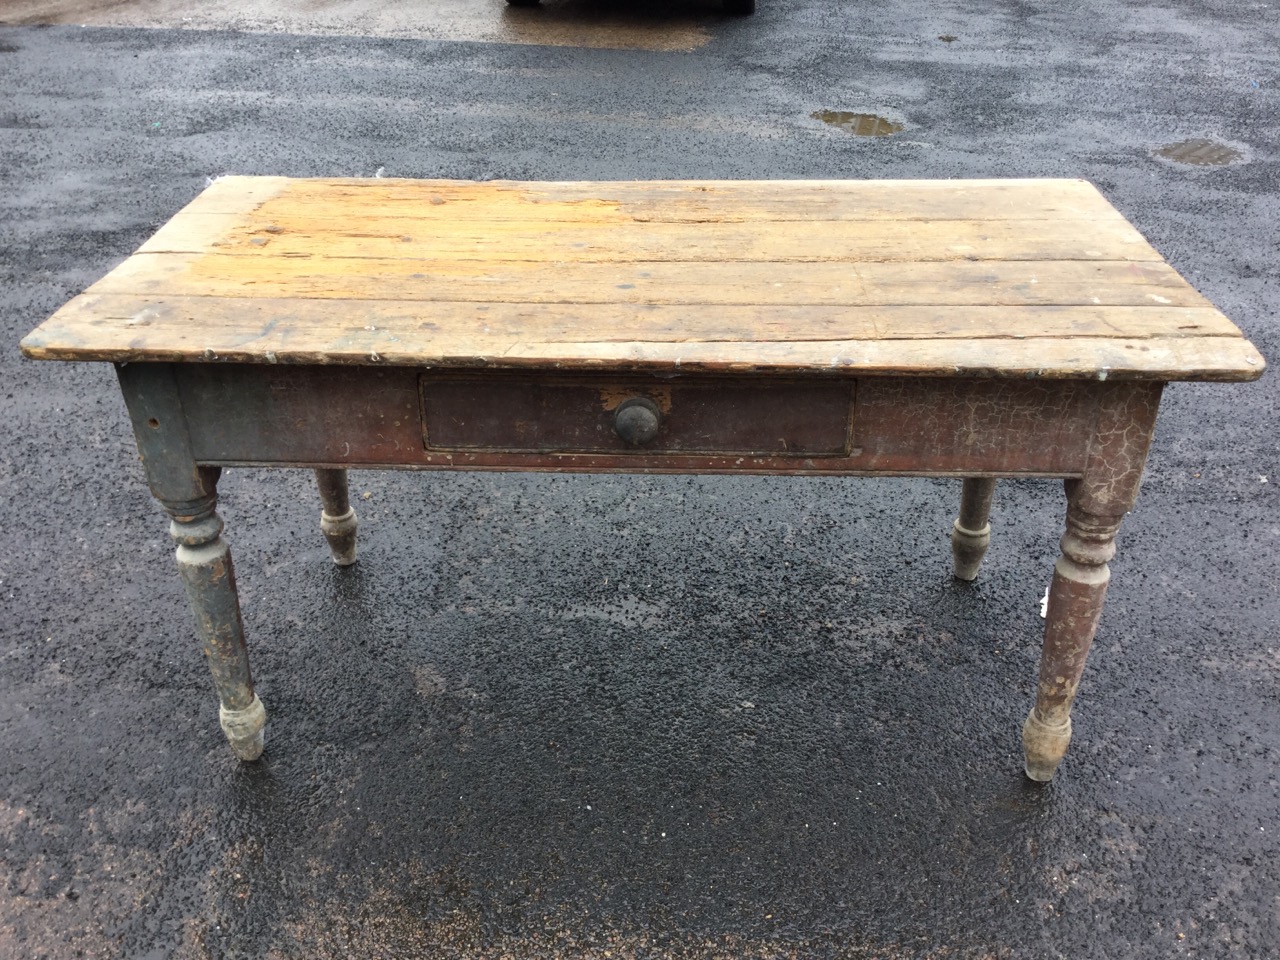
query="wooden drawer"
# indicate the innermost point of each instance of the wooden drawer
(570, 415)
(496, 420)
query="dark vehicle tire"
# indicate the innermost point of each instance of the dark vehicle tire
(738, 8)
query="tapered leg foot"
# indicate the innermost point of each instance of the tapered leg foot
(968, 547)
(340, 531)
(245, 729)
(338, 518)
(1044, 746)
(971, 534)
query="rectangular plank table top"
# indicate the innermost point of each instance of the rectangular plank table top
(943, 278)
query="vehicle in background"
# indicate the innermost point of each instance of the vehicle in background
(736, 8)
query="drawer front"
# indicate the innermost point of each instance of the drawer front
(548, 415)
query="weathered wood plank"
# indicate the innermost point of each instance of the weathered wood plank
(1199, 358)
(674, 201)
(406, 238)
(314, 327)
(953, 283)
(236, 195)
(396, 334)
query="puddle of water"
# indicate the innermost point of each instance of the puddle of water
(1200, 153)
(858, 124)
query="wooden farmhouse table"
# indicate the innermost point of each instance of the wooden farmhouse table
(969, 329)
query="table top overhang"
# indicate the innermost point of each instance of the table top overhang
(994, 278)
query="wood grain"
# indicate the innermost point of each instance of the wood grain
(1054, 342)
(309, 325)
(724, 201)
(955, 278)
(727, 284)
(396, 237)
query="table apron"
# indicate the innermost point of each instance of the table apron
(377, 417)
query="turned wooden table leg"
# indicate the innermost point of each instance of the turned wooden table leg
(204, 560)
(1096, 503)
(338, 518)
(189, 494)
(1075, 605)
(971, 533)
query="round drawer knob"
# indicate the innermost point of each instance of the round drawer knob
(636, 421)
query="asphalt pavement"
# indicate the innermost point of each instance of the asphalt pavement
(634, 717)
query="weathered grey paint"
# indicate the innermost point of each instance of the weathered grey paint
(971, 533)
(338, 518)
(189, 494)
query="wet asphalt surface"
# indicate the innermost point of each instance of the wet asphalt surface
(570, 716)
